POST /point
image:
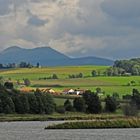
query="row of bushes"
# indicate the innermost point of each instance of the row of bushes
(54, 76)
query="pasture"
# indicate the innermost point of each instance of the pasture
(109, 85)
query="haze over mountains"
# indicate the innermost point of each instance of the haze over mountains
(47, 56)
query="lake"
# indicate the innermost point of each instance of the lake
(35, 131)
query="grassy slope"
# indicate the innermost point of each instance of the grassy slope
(62, 72)
(108, 84)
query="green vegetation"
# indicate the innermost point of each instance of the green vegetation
(117, 95)
(131, 66)
(62, 72)
(130, 110)
(68, 105)
(120, 123)
(110, 104)
(60, 101)
(57, 117)
(12, 101)
(125, 68)
(93, 77)
(79, 104)
(93, 102)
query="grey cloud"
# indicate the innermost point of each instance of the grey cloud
(106, 28)
(6, 7)
(39, 1)
(122, 8)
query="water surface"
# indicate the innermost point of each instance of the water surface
(35, 131)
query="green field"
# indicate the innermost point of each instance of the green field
(108, 84)
(62, 72)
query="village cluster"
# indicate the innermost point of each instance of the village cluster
(69, 91)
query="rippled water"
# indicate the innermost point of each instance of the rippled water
(35, 131)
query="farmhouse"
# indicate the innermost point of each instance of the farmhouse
(79, 92)
(68, 91)
(26, 89)
(73, 91)
(47, 90)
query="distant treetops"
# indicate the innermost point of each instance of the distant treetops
(125, 67)
(20, 65)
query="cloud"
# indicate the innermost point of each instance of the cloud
(105, 28)
(6, 6)
(124, 12)
(122, 8)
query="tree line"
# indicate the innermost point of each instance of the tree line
(91, 103)
(20, 65)
(125, 67)
(12, 101)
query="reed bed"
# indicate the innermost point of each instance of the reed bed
(98, 124)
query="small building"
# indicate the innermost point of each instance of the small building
(79, 92)
(73, 92)
(68, 91)
(51, 91)
(47, 90)
(26, 89)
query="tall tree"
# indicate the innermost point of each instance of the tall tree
(110, 104)
(94, 73)
(93, 102)
(79, 104)
(68, 105)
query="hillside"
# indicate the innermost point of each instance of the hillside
(47, 56)
(108, 84)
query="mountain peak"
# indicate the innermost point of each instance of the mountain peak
(46, 56)
(12, 49)
(44, 48)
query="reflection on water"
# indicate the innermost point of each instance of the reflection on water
(35, 131)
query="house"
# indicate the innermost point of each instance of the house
(47, 90)
(68, 91)
(79, 92)
(51, 91)
(26, 89)
(73, 92)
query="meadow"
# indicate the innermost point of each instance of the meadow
(109, 85)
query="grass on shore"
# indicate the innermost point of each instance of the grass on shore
(100, 124)
(57, 117)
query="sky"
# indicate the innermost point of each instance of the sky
(105, 28)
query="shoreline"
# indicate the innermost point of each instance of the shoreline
(58, 117)
(97, 124)
(67, 121)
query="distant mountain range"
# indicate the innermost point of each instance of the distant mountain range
(47, 56)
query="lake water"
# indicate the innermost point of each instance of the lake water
(35, 131)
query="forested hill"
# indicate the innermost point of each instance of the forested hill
(130, 66)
